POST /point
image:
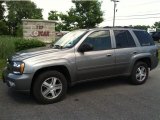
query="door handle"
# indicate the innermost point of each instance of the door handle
(108, 55)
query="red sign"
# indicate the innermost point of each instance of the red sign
(40, 33)
(43, 33)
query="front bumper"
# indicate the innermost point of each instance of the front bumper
(17, 82)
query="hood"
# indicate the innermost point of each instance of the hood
(22, 55)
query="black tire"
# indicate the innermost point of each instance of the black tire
(133, 78)
(37, 87)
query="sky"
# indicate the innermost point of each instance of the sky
(129, 12)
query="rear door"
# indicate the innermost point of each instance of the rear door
(125, 50)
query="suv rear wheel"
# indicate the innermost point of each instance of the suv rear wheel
(50, 87)
(139, 73)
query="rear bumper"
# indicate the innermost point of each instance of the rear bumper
(17, 82)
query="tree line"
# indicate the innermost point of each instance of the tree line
(84, 14)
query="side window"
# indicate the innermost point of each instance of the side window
(144, 38)
(124, 39)
(100, 40)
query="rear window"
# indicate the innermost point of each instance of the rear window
(144, 38)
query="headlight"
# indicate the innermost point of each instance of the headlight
(18, 67)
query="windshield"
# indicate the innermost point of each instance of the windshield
(70, 39)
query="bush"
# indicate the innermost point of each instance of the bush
(7, 47)
(2, 65)
(19, 31)
(3, 28)
(10, 45)
(27, 44)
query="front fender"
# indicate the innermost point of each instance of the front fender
(51, 63)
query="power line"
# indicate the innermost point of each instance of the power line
(134, 18)
(139, 5)
(142, 13)
(145, 3)
(139, 15)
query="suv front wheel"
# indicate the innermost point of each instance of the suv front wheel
(50, 87)
(139, 73)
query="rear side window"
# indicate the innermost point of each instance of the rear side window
(124, 39)
(144, 38)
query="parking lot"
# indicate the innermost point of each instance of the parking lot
(112, 99)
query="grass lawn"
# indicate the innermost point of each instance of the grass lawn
(2, 65)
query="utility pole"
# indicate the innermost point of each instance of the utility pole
(115, 4)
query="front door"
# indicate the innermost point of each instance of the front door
(99, 62)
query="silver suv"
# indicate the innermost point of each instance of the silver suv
(79, 56)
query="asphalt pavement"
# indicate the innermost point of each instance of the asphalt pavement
(111, 99)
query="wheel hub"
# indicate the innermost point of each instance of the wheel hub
(51, 88)
(141, 73)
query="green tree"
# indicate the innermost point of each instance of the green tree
(53, 15)
(3, 28)
(86, 14)
(1, 10)
(18, 10)
(157, 24)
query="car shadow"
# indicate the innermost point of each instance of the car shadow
(26, 98)
(19, 97)
(97, 84)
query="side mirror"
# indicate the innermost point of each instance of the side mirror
(85, 47)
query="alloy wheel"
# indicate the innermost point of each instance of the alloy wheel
(51, 88)
(141, 73)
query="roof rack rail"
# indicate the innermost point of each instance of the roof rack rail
(118, 27)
